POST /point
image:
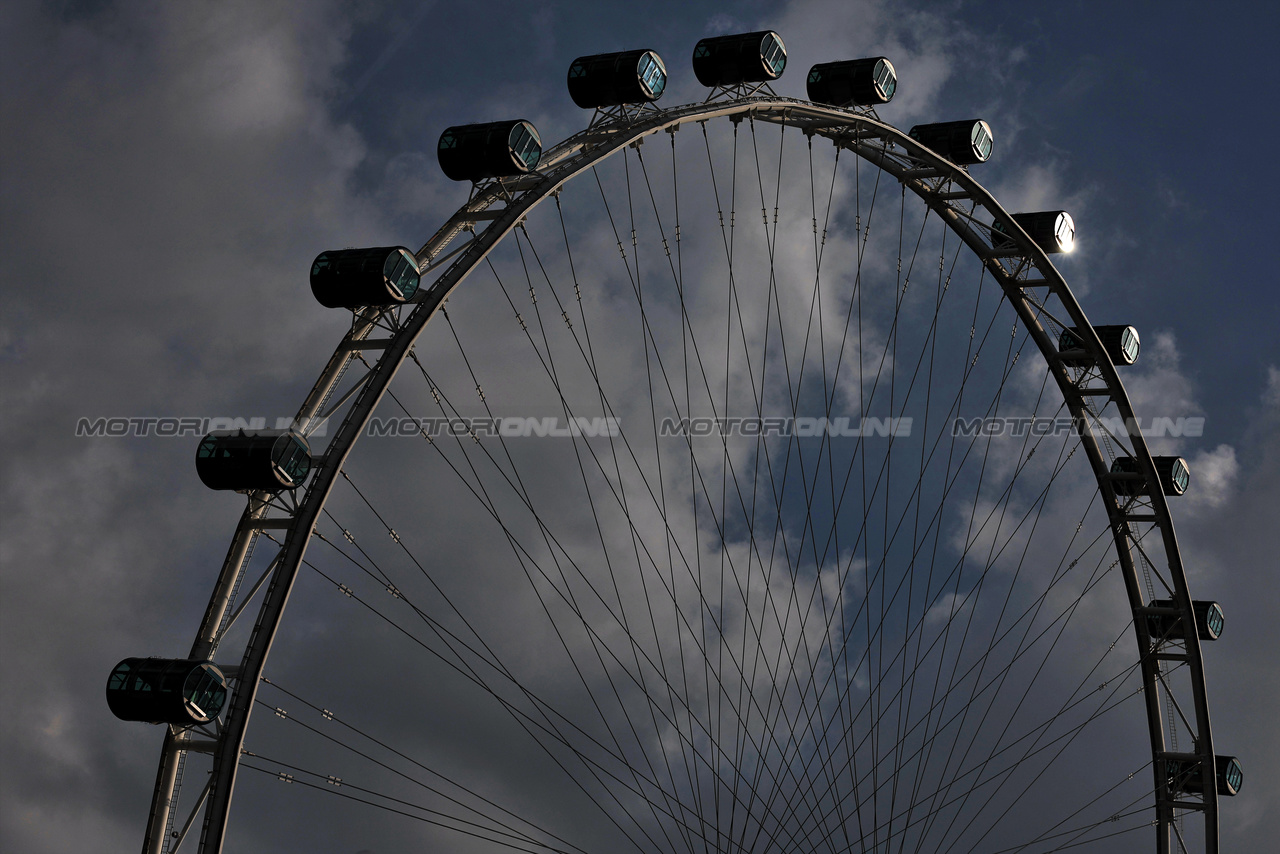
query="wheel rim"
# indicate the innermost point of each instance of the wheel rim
(947, 191)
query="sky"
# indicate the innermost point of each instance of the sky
(170, 170)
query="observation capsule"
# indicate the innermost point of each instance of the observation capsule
(269, 460)
(743, 58)
(964, 142)
(1173, 472)
(354, 278)
(610, 79)
(166, 691)
(1187, 776)
(1120, 342)
(1209, 621)
(864, 82)
(1052, 231)
(490, 150)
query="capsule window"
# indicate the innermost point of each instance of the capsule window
(525, 145)
(208, 449)
(291, 457)
(1064, 231)
(773, 53)
(401, 273)
(1130, 344)
(1180, 475)
(982, 141)
(886, 79)
(653, 77)
(119, 677)
(1232, 776)
(1214, 620)
(204, 693)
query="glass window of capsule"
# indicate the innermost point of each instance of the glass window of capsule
(1232, 776)
(1130, 344)
(290, 456)
(886, 79)
(1064, 231)
(652, 73)
(526, 145)
(204, 693)
(401, 273)
(773, 53)
(981, 139)
(209, 449)
(1214, 620)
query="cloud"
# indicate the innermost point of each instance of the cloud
(180, 167)
(1271, 395)
(1215, 474)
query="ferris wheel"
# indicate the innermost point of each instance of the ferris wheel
(760, 476)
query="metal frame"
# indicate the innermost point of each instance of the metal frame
(1023, 271)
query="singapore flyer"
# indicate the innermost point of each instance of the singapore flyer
(822, 428)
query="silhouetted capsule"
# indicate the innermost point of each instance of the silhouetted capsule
(1173, 472)
(964, 142)
(1052, 231)
(1120, 342)
(269, 460)
(742, 58)
(166, 691)
(490, 150)
(610, 79)
(1187, 776)
(1209, 621)
(353, 278)
(865, 82)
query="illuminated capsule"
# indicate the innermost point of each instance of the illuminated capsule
(864, 82)
(1173, 472)
(490, 150)
(269, 460)
(743, 58)
(354, 278)
(1187, 776)
(1052, 231)
(166, 691)
(1120, 342)
(610, 79)
(963, 142)
(1209, 621)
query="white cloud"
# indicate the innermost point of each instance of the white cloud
(1213, 478)
(1271, 394)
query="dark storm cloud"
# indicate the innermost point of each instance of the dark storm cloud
(170, 170)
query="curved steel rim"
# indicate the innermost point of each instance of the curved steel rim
(1022, 270)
